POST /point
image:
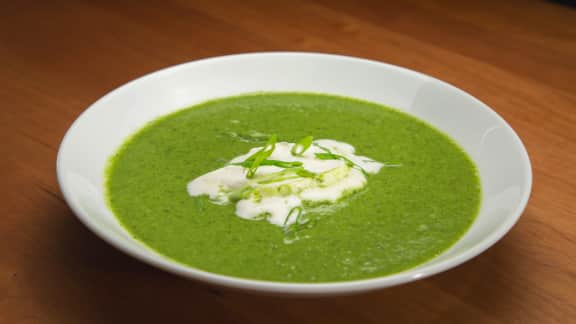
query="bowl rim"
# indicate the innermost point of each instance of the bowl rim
(292, 288)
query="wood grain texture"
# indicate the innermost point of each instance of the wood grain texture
(58, 56)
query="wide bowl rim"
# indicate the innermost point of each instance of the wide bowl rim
(288, 288)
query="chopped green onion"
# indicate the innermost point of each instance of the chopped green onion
(277, 177)
(280, 164)
(260, 156)
(296, 209)
(328, 156)
(241, 193)
(291, 173)
(322, 148)
(305, 173)
(299, 148)
(331, 156)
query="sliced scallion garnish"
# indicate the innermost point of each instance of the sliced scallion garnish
(328, 155)
(280, 164)
(304, 173)
(257, 158)
(241, 193)
(297, 210)
(301, 146)
(291, 173)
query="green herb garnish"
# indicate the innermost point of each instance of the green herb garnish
(291, 173)
(328, 155)
(280, 164)
(256, 159)
(260, 158)
(297, 210)
(304, 173)
(332, 156)
(299, 148)
(241, 193)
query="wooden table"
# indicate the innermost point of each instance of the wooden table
(57, 57)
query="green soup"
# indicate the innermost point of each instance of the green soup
(405, 215)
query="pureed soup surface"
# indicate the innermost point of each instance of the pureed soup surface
(405, 216)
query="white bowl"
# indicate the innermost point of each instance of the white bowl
(501, 158)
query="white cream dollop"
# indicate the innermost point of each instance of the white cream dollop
(274, 192)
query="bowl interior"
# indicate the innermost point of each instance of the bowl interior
(497, 151)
